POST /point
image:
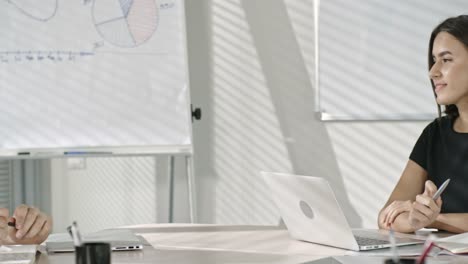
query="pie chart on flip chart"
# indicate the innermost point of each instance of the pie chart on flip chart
(126, 23)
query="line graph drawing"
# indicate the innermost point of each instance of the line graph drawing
(41, 11)
(126, 23)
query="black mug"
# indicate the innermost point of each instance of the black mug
(93, 253)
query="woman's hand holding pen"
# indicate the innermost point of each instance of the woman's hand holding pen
(425, 210)
(28, 226)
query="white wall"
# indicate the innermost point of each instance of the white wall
(252, 73)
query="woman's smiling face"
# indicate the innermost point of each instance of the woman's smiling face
(450, 70)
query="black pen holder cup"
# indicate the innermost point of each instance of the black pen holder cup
(402, 261)
(93, 253)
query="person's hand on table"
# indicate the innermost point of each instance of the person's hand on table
(27, 225)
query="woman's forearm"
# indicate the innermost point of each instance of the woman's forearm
(455, 223)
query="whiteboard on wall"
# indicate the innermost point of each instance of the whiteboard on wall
(372, 58)
(109, 74)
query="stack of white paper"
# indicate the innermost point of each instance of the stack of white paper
(457, 244)
(18, 254)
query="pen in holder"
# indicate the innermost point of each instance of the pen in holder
(93, 253)
(395, 258)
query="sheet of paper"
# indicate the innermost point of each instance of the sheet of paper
(379, 259)
(18, 254)
(460, 238)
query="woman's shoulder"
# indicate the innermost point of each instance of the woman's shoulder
(443, 123)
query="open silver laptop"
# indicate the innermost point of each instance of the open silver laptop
(311, 213)
(120, 240)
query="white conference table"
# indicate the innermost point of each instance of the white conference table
(194, 243)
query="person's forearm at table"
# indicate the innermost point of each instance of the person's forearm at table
(455, 223)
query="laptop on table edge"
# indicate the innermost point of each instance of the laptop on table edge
(311, 213)
(119, 239)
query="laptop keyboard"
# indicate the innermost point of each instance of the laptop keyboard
(367, 241)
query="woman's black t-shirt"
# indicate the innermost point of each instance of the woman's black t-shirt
(443, 153)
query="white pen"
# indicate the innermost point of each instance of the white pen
(75, 235)
(440, 190)
(393, 246)
(78, 233)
